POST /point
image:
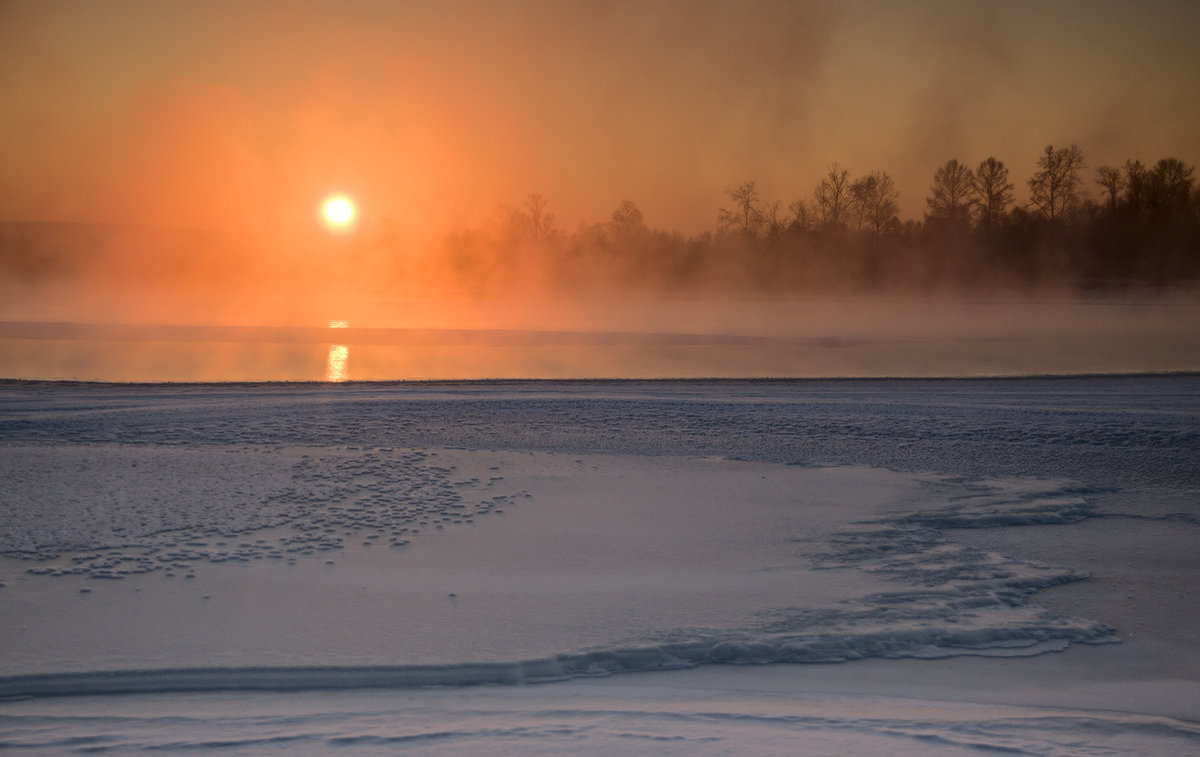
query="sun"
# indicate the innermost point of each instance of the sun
(338, 211)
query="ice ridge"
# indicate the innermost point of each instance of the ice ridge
(749, 649)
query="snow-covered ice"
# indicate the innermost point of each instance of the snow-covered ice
(973, 554)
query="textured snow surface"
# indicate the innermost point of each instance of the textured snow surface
(369, 538)
(572, 720)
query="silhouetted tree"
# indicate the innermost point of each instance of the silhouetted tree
(1054, 188)
(802, 216)
(1148, 234)
(1170, 184)
(540, 222)
(627, 222)
(1137, 180)
(747, 217)
(1109, 178)
(993, 191)
(773, 221)
(952, 194)
(876, 200)
(833, 198)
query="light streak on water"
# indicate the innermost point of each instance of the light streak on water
(338, 361)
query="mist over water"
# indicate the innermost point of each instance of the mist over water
(132, 304)
(127, 337)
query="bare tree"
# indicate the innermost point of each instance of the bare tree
(1054, 188)
(833, 198)
(802, 216)
(626, 221)
(1137, 186)
(1171, 185)
(952, 194)
(540, 222)
(877, 200)
(747, 217)
(993, 191)
(1109, 178)
(858, 204)
(773, 219)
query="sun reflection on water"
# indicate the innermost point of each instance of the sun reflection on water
(336, 365)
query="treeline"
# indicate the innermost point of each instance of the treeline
(1142, 229)
(1133, 226)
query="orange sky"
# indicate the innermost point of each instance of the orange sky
(243, 115)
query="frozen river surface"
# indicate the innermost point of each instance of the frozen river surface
(300, 563)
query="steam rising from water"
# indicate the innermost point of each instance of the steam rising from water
(455, 336)
(139, 304)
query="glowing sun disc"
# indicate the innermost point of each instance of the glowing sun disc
(339, 211)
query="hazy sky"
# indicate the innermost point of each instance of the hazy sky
(242, 115)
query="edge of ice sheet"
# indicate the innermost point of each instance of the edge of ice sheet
(555, 668)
